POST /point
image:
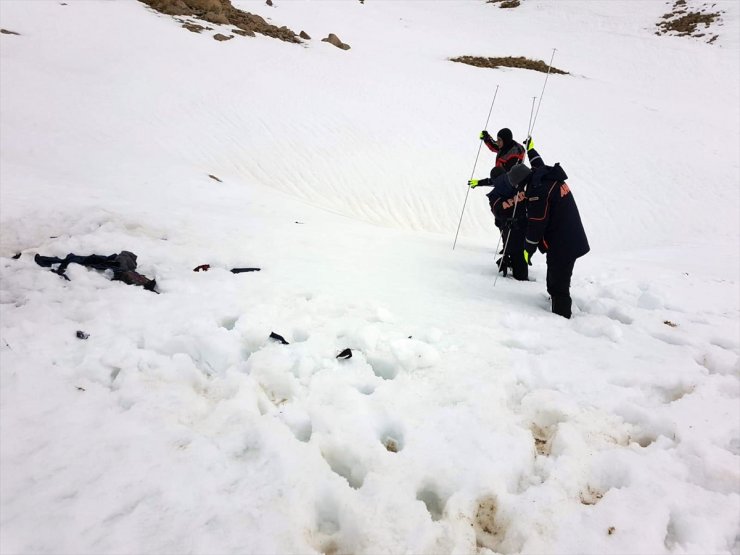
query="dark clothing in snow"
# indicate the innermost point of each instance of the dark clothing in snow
(514, 230)
(553, 222)
(554, 226)
(122, 265)
(559, 272)
(502, 201)
(509, 154)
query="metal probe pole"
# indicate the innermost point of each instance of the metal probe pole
(473, 172)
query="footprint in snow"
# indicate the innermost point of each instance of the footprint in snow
(643, 438)
(298, 421)
(598, 326)
(342, 464)
(489, 526)
(366, 388)
(325, 537)
(543, 438)
(433, 501)
(383, 366)
(672, 394)
(605, 307)
(392, 439)
(591, 495)
(719, 361)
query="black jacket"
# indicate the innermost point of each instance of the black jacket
(553, 222)
(510, 154)
(501, 198)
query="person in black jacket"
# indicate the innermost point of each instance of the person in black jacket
(508, 151)
(509, 212)
(553, 225)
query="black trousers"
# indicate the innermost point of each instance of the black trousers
(559, 272)
(515, 249)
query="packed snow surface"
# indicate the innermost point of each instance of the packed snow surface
(469, 418)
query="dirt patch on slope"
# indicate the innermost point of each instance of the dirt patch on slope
(510, 61)
(684, 22)
(223, 13)
(505, 3)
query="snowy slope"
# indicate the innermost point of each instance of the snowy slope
(179, 427)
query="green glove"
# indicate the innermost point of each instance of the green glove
(473, 183)
(484, 135)
(528, 143)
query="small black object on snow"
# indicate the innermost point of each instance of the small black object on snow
(82, 335)
(242, 270)
(347, 353)
(278, 337)
(16, 256)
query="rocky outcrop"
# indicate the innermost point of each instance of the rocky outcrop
(193, 27)
(505, 3)
(509, 61)
(333, 39)
(224, 13)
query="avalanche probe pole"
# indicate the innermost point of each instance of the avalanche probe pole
(531, 111)
(473, 172)
(529, 132)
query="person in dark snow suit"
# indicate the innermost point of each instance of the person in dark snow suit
(502, 202)
(553, 225)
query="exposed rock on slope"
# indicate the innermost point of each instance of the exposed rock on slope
(333, 39)
(683, 22)
(509, 61)
(222, 12)
(505, 3)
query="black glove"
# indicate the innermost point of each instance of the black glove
(485, 136)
